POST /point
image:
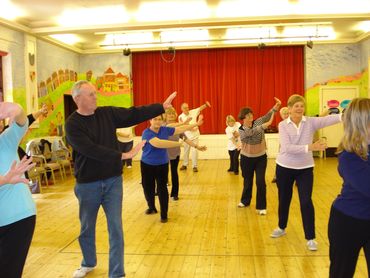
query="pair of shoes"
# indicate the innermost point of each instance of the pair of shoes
(241, 205)
(151, 211)
(164, 220)
(277, 233)
(129, 166)
(236, 173)
(261, 211)
(230, 170)
(312, 245)
(175, 198)
(183, 167)
(82, 271)
(274, 180)
(195, 169)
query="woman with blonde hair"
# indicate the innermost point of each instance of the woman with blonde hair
(295, 164)
(233, 143)
(349, 222)
(174, 153)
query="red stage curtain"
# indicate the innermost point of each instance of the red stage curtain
(229, 78)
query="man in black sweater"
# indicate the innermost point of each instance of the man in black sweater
(91, 131)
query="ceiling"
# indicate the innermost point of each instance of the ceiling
(97, 25)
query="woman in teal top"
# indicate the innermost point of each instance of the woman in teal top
(17, 209)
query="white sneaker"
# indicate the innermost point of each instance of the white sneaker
(312, 245)
(277, 233)
(82, 271)
(241, 205)
(261, 211)
(129, 167)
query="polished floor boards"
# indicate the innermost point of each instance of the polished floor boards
(206, 235)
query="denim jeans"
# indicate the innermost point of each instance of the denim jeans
(107, 193)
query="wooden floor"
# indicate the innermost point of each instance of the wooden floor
(206, 235)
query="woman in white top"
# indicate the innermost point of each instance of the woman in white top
(233, 143)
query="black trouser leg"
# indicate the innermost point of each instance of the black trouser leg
(284, 181)
(148, 183)
(175, 177)
(347, 235)
(236, 161)
(247, 172)
(15, 241)
(161, 177)
(304, 180)
(260, 168)
(126, 147)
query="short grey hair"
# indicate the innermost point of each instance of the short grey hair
(77, 86)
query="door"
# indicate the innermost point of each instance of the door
(336, 100)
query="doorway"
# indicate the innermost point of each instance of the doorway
(69, 106)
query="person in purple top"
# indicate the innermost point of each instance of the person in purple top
(349, 222)
(295, 164)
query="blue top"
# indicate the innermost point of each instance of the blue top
(152, 155)
(354, 200)
(16, 201)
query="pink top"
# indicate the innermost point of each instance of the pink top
(294, 140)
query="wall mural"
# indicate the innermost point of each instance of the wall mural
(312, 94)
(113, 88)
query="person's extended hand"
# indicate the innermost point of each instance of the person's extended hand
(133, 151)
(319, 145)
(16, 171)
(9, 110)
(202, 148)
(167, 103)
(208, 104)
(277, 103)
(44, 110)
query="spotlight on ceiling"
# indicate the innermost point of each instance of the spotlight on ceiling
(310, 44)
(261, 45)
(127, 52)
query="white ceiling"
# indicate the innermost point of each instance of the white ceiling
(349, 19)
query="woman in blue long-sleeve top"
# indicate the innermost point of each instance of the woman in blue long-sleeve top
(349, 223)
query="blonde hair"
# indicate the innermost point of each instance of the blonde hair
(356, 122)
(171, 110)
(230, 118)
(283, 111)
(293, 99)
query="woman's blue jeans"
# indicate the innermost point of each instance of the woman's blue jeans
(107, 193)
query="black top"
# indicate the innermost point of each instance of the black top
(93, 138)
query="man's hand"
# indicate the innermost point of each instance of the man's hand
(208, 104)
(167, 103)
(16, 171)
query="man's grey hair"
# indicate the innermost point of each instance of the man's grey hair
(77, 86)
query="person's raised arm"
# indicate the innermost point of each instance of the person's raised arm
(168, 102)
(204, 106)
(181, 129)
